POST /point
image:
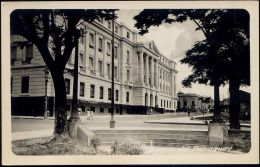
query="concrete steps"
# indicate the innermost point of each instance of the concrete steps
(167, 138)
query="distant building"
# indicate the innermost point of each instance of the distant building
(244, 98)
(144, 78)
(193, 102)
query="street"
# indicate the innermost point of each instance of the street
(19, 125)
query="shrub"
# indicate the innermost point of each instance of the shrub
(126, 148)
(95, 142)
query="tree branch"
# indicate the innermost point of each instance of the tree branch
(200, 27)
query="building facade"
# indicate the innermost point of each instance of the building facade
(144, 78)
(192, 101)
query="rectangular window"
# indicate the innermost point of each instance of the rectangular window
(193, 103)
(127, 56)
(109, 94)
(116, 29)
(28, 54)
(128, 35)
(101, 92)
(92, 109)
(92, 91)
(164, 103)
(108, 48)
(117, 93)
(25, 84)
(185, 103)
(67, 85)
(91, 62)
(82, 33)
(101, 110)
(100, 44)
(81, 60)
(91, 40)
(128, 75)
(115, 72)
(13, 54)
(100, 64)
(161, 104)
(167, 103)
(127, 96)
(115, 52)
(81, 89)
(108, 71)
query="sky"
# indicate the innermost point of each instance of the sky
(173, 40)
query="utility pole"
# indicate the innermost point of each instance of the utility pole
(74, 113)
(46, 72)
(112, 121)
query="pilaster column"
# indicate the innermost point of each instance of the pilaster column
(146, 70)
(156, 75)
(141, 67)
(96, 52)
(152, 72)
(104, 57)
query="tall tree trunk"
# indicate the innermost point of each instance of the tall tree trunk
(217, 112)
(234, 104)
(60, 103)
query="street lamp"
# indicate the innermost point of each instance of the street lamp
(112, 121)
(46, 73)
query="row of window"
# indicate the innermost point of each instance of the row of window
(165, 76)
(166, 103)
(25, 89)
(185, 103)
(108, 69)
(92, 91)
(26, 53)
(109, 26)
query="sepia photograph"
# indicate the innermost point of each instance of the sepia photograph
(142, 84)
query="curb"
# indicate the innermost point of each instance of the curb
(185, 123)
(37, 118)
(181, 123)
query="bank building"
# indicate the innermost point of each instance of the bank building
(144, 78)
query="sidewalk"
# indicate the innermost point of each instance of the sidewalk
(31, 134)
(187, 121)
(180, 120)
(81, 116)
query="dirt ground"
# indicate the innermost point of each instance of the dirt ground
(40, 146)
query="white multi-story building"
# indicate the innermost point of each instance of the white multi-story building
(144, 78)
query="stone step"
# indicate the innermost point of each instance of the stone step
(156, 140)
(150, 136)
(156, 137)
(161, 144)
(191, 132)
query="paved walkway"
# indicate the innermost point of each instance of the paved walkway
(188, 121)
(49, 132)
(31, 134)
(180, 120)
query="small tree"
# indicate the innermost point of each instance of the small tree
(54, 33)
